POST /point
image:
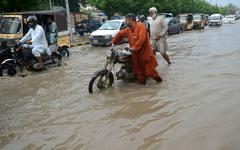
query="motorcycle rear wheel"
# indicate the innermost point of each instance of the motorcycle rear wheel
(99, 79)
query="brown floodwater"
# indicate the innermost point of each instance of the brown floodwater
(195, 108)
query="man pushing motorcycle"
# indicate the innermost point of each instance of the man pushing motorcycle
(38, 39)
(143, 59)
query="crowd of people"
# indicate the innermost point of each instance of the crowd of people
(144, 42)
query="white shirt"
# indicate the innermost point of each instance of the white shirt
(37, 36)
(158, 27)
(53, 27)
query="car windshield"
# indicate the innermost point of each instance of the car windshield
(167, 15)
(197, 17)
(183, 18)
(214, 18)
(167, 20)
(116, 17)
(111, 25)
(9, 25)
(230, 17)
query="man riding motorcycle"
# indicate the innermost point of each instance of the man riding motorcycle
(38, 39)
(143, 60)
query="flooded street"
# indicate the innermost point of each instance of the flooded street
(195, 108)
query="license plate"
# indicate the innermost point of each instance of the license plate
(95, 41)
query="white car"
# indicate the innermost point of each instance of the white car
(106, 32)
(215, 20)
(229, 19)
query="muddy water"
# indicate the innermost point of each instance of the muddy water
(195, 108)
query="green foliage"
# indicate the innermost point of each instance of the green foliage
(229, 9)
(122, 6)
(73, 4)
(31, 5)
(171, 6)
(22, 5)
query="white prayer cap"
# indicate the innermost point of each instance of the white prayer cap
(153, 9)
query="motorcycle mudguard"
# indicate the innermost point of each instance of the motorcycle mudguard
(3, 63)
(99, 72)
(6, 61)
(103, 71)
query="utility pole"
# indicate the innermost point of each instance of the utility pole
(69, 21)
(50, 4)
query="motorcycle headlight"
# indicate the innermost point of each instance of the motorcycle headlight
(12, 49)
(108, 53)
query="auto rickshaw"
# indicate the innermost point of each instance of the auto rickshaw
(186, 21)
(199, 21)
(13, 26)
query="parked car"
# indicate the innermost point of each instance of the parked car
(215, 20)
(199, 21)
(106, 32)
(229, 19)
(174, 25)
(88, 25)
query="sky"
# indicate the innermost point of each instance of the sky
(225, 2)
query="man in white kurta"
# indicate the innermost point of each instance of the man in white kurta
(39, 43)
(158, 33)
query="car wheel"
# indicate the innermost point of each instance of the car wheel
(179, 31)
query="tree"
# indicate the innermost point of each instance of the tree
(21, 5)
(32, 5)
(110, 7)
(73, 4)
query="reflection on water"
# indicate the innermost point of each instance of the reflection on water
(194, 108)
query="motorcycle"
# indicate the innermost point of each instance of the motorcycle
(104, 78)
(22, 58)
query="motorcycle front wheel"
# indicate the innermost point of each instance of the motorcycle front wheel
(64, 52)
(101, 80)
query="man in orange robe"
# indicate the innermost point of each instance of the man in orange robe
(143, 59)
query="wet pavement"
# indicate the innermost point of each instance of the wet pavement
(195, 108)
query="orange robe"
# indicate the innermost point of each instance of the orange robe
(143, 59)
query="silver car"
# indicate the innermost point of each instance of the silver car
(174, 25)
